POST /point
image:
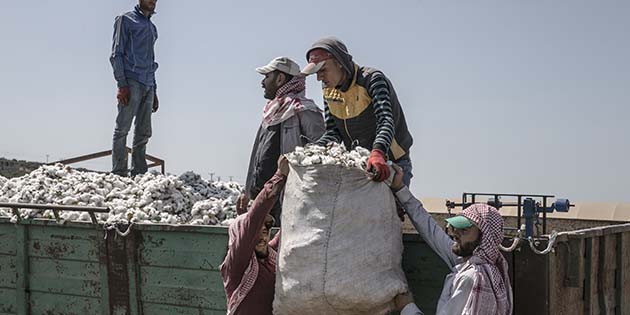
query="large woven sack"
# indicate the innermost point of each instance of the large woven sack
(341, 244)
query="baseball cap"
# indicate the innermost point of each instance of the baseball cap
(316, 59)
(284, 64)
(459, 222)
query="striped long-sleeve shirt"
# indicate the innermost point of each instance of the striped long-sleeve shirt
(379, 91)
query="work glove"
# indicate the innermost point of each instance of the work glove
(377, 165)
(123, 95)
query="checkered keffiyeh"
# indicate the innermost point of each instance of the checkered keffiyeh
(288, 102)
(251, 273)
(492, 292)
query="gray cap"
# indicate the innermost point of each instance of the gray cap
(284, 64)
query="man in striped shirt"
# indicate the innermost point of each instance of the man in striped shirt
(361, 108)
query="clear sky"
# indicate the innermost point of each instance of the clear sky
(500, 96)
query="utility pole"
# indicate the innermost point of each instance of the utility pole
(211, 176)
(47, 155)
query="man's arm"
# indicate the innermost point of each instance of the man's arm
(411, 309)
(430, 231)
(378, 89)
(332, 132)
(462, 288)
(275, 242)
(118, 49)
(242, 248)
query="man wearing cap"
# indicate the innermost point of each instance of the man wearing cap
(133, 61)
(478, 283)
(360, 108)
(289, 119)
(249, 268)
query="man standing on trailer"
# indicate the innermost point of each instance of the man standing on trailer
(133, 61)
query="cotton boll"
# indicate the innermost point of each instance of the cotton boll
(85, 217)
(142, 199)
(328, 160)
(69, 201)
(227, 222)
(332, 154)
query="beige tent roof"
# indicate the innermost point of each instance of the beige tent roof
(596, 211)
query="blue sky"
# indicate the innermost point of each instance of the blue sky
(505, 96)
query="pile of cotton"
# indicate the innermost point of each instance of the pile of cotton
(332, 154)
(148, 198)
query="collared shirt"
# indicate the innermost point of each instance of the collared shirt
(133, 55)
(459, 283)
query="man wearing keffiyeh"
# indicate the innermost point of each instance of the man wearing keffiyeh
(289, 119)
(249, 268)
(479, 283)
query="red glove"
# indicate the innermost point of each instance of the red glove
(378, 165)
(123, 95)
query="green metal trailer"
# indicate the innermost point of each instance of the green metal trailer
(79, 268)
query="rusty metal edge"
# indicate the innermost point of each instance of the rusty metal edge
(157, 161)
(117, 275)
(205, 229)
(588, 257)
(619, 294)
(601, 276)
(593, 232)
(133, 273)
(21, 256)
(39, 206)
(103, 262)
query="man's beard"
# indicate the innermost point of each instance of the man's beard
(260, 255)
(270, 93)
(465, 250)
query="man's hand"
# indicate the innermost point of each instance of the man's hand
(401, 300)
(377, 166)
(123, 95)
(283, 165)
(241, 203)
(397, 182)
(156, 103)
(396, 185)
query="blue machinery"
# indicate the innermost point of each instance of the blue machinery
(529, 208)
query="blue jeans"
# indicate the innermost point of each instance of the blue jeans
(140, 106)
(406, 167)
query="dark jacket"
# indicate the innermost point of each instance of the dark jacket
(304, 127)
(364, 110)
